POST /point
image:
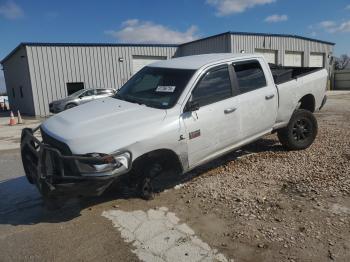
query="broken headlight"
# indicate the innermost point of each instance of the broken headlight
(100, 164)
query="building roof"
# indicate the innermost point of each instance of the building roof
(23, 44)
(198, 61)
(160, 45)
(262, 34)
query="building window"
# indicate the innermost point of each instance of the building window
(74, 87)
(21, 91)
(13, 93)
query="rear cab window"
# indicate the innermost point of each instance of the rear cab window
(250, 75)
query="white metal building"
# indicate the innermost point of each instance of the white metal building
(38, 73)
(287, 50)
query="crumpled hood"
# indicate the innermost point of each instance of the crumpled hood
(104, 125)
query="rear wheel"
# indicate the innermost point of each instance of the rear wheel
(300, 132)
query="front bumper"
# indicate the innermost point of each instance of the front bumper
(58, 174)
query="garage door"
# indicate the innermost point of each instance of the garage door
(270, 55)
(293, 59)
(138, 62)
(316, 60)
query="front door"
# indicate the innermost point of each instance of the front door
(215, 125)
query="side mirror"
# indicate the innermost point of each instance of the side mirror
(81, 96)
(192, 106)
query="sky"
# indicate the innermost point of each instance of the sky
(168, 21)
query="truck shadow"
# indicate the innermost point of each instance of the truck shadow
(21, 204)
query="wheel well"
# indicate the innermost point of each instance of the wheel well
(70, 103)
(307, 102)
(166, 156)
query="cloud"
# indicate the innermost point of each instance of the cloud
(276, 18)
(228, 7)
(335, 27)
(10, 10)
(347, 7)
(136, 31)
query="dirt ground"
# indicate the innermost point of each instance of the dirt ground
(260, 203)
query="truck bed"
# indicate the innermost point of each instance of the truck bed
(282, 74)
(296, 84)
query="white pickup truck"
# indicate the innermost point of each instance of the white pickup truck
(175, 114)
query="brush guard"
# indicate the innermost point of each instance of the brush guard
(46, 167)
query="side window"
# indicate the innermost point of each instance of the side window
(89, 92)
(213, 87)
(250, 75)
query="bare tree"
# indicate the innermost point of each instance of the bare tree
(341, 62)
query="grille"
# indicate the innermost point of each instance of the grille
(69, 166)
(62, 147)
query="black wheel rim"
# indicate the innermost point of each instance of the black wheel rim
(153, 173)
(147, 188)
(301, 130)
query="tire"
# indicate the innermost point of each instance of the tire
(52, 204)
(146, 178)
(300, 132)
(70, 105)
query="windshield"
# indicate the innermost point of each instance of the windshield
(78, 93)
(155, 87)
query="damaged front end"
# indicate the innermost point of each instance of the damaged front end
(51, 166)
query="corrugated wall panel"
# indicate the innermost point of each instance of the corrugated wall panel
(218, 44)
(31, 54)
(52, 67)
(281, 44)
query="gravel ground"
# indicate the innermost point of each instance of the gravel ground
(289, 206)
(259, 204)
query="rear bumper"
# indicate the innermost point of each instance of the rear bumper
(60, 175)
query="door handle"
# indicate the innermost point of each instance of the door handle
(268, 97)
(230, 110)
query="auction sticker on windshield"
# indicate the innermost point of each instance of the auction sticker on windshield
(168, 89)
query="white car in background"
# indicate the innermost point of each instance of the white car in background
(80, 97)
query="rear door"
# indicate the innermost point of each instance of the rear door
(258, 100)
(215, 125)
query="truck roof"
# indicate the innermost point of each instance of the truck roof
(198, 61)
